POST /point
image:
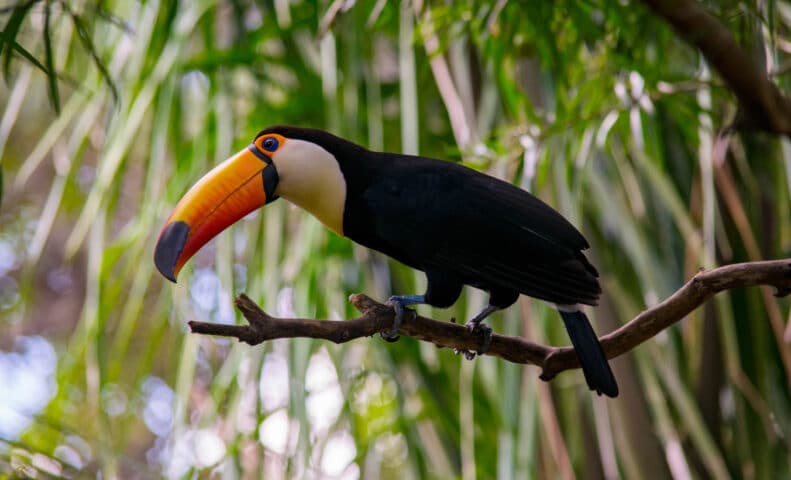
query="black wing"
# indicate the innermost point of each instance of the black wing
(436, 215)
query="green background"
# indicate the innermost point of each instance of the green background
(111, 110)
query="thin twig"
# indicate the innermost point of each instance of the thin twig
(377, 317)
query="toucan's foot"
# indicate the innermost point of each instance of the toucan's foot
(399, 304)
(486, 331)
(476, 324)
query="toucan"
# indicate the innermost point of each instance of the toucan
(458, 225)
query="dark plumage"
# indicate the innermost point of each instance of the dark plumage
(459, 225)
(462, 227)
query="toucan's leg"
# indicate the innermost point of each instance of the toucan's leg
(399, 303)
(476, 323)
(499, 299)
(442, 291)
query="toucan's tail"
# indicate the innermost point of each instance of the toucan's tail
(594, 364)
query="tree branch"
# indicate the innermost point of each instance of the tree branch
(377, 317)
(763, 106)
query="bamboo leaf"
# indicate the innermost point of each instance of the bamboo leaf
(10, 33)
(52, 80)
(87, 42)
(12, 44)
(111, 18)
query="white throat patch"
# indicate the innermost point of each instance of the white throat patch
(310, 177)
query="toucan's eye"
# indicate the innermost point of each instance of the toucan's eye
(270, 144)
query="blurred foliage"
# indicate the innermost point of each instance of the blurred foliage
(595, 106)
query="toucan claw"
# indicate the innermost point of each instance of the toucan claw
(486, 331)
(399, 304)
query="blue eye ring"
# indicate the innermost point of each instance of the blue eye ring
(270, 144)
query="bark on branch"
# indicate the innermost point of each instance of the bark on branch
(377, 317)
(763, 106)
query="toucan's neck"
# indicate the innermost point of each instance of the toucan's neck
(311, 178)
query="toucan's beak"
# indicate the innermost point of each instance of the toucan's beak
(230, 191)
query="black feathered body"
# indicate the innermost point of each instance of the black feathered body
(460, 226)
(456, 223)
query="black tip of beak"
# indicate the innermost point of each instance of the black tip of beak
(169, 246)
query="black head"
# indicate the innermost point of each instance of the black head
(342, 149)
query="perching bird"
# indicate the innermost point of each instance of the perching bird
(457, 225)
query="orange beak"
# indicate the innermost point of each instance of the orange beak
(230, 191)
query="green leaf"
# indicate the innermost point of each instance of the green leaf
(11, 8)
(87, 43)
(21, 51)
(109, 17)
(10, 32)
(52, 79)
